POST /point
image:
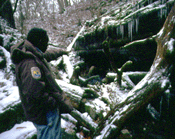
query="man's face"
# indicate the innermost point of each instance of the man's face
(44, 45)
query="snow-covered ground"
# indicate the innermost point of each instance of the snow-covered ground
(8, 90)
(26, 130)
(19, 131)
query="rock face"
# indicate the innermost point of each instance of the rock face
(125, 23)
(136, 104)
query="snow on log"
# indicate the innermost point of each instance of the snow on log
(68, 66)
(85, 120)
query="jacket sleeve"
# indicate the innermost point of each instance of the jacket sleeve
(53, 54)
(58, 94)
(64, 103)
(33, 85)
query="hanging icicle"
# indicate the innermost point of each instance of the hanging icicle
(122, 30)
(137, 24)
(130, 31)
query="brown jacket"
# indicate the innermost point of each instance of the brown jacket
(38, 89)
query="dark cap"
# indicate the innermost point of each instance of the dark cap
(39, 38)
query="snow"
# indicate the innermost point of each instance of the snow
(80, 136)
(67, 126)
(68, 66)
(160, 33)
(113, 93)
(98, 106)
(105, 131)
(104, 19)
(69, 48)
(27, 129)
(68, 116)
(9, 94)
(7, 56)
(173, 20)
(19, 131)
(56, 62)
(165, 82)
(70, 88)
(170, 45)
(10, 100)
(89, 119)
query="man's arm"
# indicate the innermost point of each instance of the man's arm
(54, 53)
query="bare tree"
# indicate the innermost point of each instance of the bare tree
(6, 12)
(21, 18)
(16, 3)
(63, 4)
(66, 3)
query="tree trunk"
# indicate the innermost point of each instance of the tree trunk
(16, 3)
(6, 12)
(66, 3)
(61, 6)
(156, 82)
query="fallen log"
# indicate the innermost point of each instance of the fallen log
(73, 92)
(84, 120)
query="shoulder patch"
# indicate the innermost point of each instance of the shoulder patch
(36, 73)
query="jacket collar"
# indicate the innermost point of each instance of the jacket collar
(24, 50)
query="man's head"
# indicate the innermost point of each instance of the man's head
(39, 38)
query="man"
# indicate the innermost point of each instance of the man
(42, 99)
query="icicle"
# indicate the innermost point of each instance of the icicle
(133, 24)
(165, 12)
(161, 105)
(138, 6)
(129, 30)
(160, 1)
(122, 30)
(163, 1)
(137, 24)
(130, 25)
(168, 95)
(167, 92)
(160, 13)
(117, 31)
